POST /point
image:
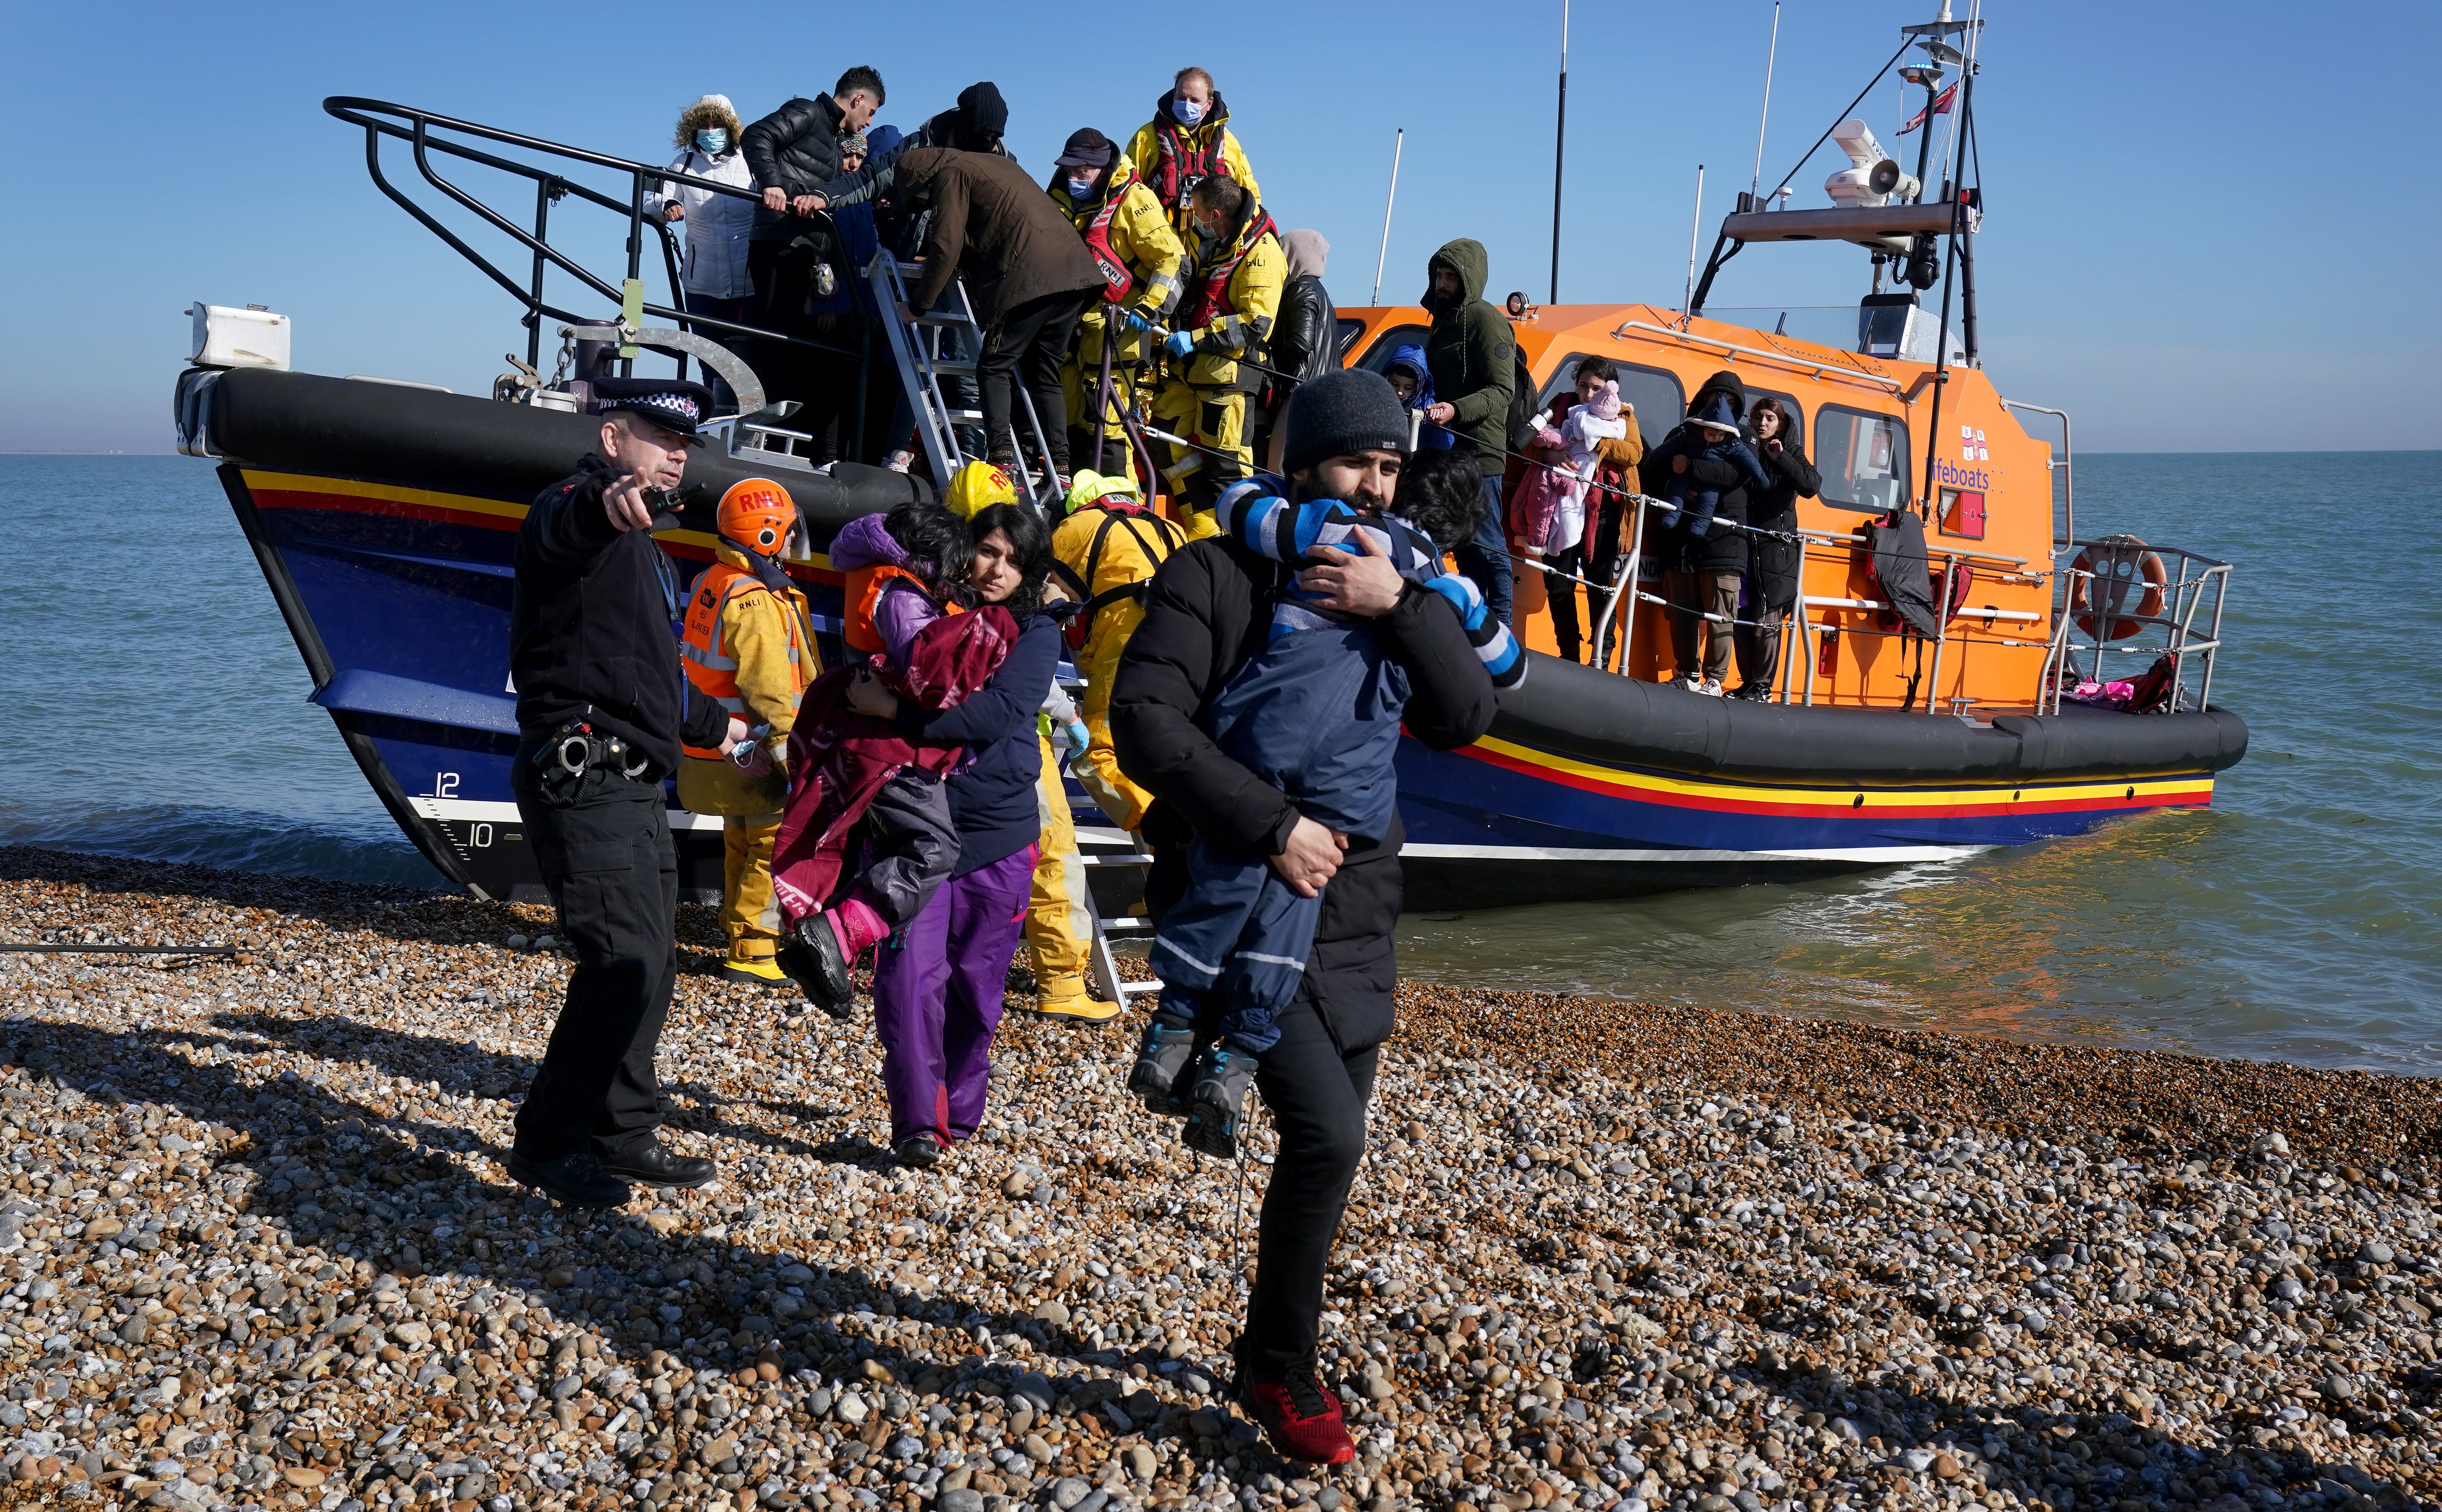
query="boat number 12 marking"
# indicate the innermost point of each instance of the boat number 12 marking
(444, 785)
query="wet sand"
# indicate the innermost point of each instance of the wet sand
(257, 1250)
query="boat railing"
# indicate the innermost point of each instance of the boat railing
(427, 133)
(2173, 631)
(2198, 588)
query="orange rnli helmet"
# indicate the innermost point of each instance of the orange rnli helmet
(757, 513)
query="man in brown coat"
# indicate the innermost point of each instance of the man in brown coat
(1027, 271)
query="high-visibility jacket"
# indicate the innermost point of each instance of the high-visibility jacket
(1124, 225)
(1171, 159)
(745, 646)
(1234, 297)
(864, 586)
(1106, 555)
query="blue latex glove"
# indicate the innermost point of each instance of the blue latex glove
(1132, 322)
(1179, 344)
(1078, 737)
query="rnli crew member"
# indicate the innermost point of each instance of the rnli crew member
(1141, 264)
(1236, 295)
(602, 708)
(749, 650)
(1205, 615)
(794, 151)
(1107, 548)
(1188, 141)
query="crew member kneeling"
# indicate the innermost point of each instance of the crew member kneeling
(747, 648)
(1235, 295)
(602, 707)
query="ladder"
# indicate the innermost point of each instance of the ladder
(917, 345)
(1105, 967)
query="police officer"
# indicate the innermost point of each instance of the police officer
(602, 708)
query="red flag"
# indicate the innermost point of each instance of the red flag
(1941, 103)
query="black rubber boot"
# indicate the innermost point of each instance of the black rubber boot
(810, 953)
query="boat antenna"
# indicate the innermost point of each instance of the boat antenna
(1771, 55)
(1695, 225)
(1560, 146)
(1397, 142)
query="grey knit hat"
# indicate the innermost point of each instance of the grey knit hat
(1341, 413)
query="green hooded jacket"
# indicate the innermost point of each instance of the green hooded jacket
(1469, 353)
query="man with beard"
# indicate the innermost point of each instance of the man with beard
(1208, 613)
(1471, 353)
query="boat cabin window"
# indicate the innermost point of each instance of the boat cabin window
(1796, 435)
(1864, 458)
(1654, 394)
(1349, 331)
(1377, 356)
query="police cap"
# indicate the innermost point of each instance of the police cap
(673, 404)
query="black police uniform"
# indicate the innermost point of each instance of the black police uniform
(596, 668)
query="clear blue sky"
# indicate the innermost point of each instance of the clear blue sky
(2212, 227)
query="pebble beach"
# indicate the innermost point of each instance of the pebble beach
(257, 1250)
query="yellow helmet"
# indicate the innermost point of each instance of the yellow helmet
(976, 487)
(1090, 487)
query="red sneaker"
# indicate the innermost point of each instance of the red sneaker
(1301, 1418)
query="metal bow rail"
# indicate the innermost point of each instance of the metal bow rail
(417, 128)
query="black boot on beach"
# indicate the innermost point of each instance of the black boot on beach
(1159, 1076)
(1217, 1102)
(810, 955)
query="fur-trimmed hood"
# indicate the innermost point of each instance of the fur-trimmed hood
(712, 110)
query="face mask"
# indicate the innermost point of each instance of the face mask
(1188, 111)
(713, 140)
(1080, 188)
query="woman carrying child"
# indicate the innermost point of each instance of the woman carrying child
(937, 990)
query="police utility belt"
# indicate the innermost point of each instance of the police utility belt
(576, 748)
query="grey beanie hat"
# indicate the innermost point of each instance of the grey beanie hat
(1340, 414)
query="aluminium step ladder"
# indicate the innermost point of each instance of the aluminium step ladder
(1103, 965)
(918, 346)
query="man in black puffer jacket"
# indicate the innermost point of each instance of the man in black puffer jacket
(1207, 613)
(793, 152)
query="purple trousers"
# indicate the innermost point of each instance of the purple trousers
(938, 994)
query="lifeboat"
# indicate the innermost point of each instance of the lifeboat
(2065, 681)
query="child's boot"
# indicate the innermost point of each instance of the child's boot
(816, 952)
(1217, 1101)
(1162, 1058)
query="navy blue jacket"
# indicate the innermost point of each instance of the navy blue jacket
(991, 798)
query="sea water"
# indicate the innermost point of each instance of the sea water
(158, 708)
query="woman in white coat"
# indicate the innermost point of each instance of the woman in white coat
(715, 274)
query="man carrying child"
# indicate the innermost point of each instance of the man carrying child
(1209, 613)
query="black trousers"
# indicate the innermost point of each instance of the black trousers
(1560, 598)
(1029, 342)
(1317, 1095)
(604, 853)
(1760, 648)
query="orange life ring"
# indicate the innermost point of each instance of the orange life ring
(2118, 563)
